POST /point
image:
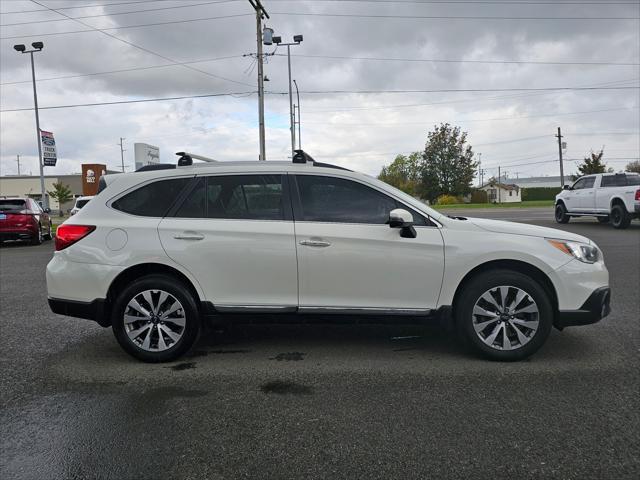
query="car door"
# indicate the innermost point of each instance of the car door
(587, 197)
(235, 234)
(573, 197)
(350, 260)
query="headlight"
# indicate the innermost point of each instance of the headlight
(581, 251)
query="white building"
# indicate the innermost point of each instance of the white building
(502, 193)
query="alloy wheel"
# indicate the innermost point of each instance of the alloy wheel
(154, 320)
(505, 317)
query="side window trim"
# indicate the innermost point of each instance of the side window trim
(297, 202)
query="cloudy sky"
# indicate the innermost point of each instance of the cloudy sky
(374, 78)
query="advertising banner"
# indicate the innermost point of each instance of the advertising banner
(48, 149)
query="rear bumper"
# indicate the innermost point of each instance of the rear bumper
(95, 310)
(594, 309)
(21, 233)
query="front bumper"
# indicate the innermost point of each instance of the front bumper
(594, 309)
(95, 310)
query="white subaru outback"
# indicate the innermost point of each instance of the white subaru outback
(157, 253)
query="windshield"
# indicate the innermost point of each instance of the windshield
(409, 199)
(12, 205)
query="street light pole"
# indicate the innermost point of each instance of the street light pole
(37, 46)
(299, 124)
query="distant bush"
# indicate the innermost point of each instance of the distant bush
(447, 200)
(540, 193)
(479, 196)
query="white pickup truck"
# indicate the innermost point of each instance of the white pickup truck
(611, 197)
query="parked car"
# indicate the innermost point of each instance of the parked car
(157, 253)
(611, 197)
(23, 219)
(80, 202)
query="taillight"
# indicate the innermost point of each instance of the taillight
(67, 235)
(638, 194)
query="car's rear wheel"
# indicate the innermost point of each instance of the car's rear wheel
(37, 238)
(503, 315)
(619, 216)
(561, 214)
(603, 219)
(155, 319)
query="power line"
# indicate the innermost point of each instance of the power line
(122, 102)
(450, 90)
(476, 119)
(481, 2)
(444, 17)
(123, 27)
(133, 69)
(85, 6)
(169, 59)
(428, 60)
(117, 13)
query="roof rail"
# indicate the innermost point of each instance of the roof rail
(187, 158)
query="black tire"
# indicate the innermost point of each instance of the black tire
(561, 214)
(603, 219)
(37, 239)
(48, 235)
(182, 294)
(620, 218)
(482, 283)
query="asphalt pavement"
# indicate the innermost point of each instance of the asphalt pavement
(314, 401)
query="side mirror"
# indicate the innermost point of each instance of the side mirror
(400, 218)
(566, 187)
(47, 210)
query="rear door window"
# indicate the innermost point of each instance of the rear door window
(248, 197)
(153, 199)
(614, 181)
(633, 179)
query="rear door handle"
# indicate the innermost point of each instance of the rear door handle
(315, 243)
(188, 236)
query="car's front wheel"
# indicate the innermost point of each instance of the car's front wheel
(561, 214)
(503, 315)
(155, 319)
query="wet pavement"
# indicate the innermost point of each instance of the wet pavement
(319, 401)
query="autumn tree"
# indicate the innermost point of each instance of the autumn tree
(593, 164)
(633, 166)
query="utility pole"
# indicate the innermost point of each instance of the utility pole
(37, 47)
(260, 12)
(122, 153)
(499, 187)
(18, 160)
(291, 114)
(559, 136)
(299, 125)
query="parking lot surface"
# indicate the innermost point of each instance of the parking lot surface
(314, 401)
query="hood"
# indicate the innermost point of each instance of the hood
(500, 226)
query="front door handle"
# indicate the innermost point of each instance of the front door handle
(315, 243)
(188, 236)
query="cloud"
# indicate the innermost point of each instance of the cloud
(360, 131)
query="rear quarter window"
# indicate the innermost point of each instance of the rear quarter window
(152, 200)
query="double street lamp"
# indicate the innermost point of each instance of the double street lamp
(270, 39)
(37, 46)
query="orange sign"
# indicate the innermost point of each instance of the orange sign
(91, 173)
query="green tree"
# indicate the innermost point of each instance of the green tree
(592, 164)
(447, 163)
(61, 193)
(403, 173)
(633, 166)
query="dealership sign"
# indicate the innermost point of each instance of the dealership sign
(48, 149)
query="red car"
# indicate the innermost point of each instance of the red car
(23, 219)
